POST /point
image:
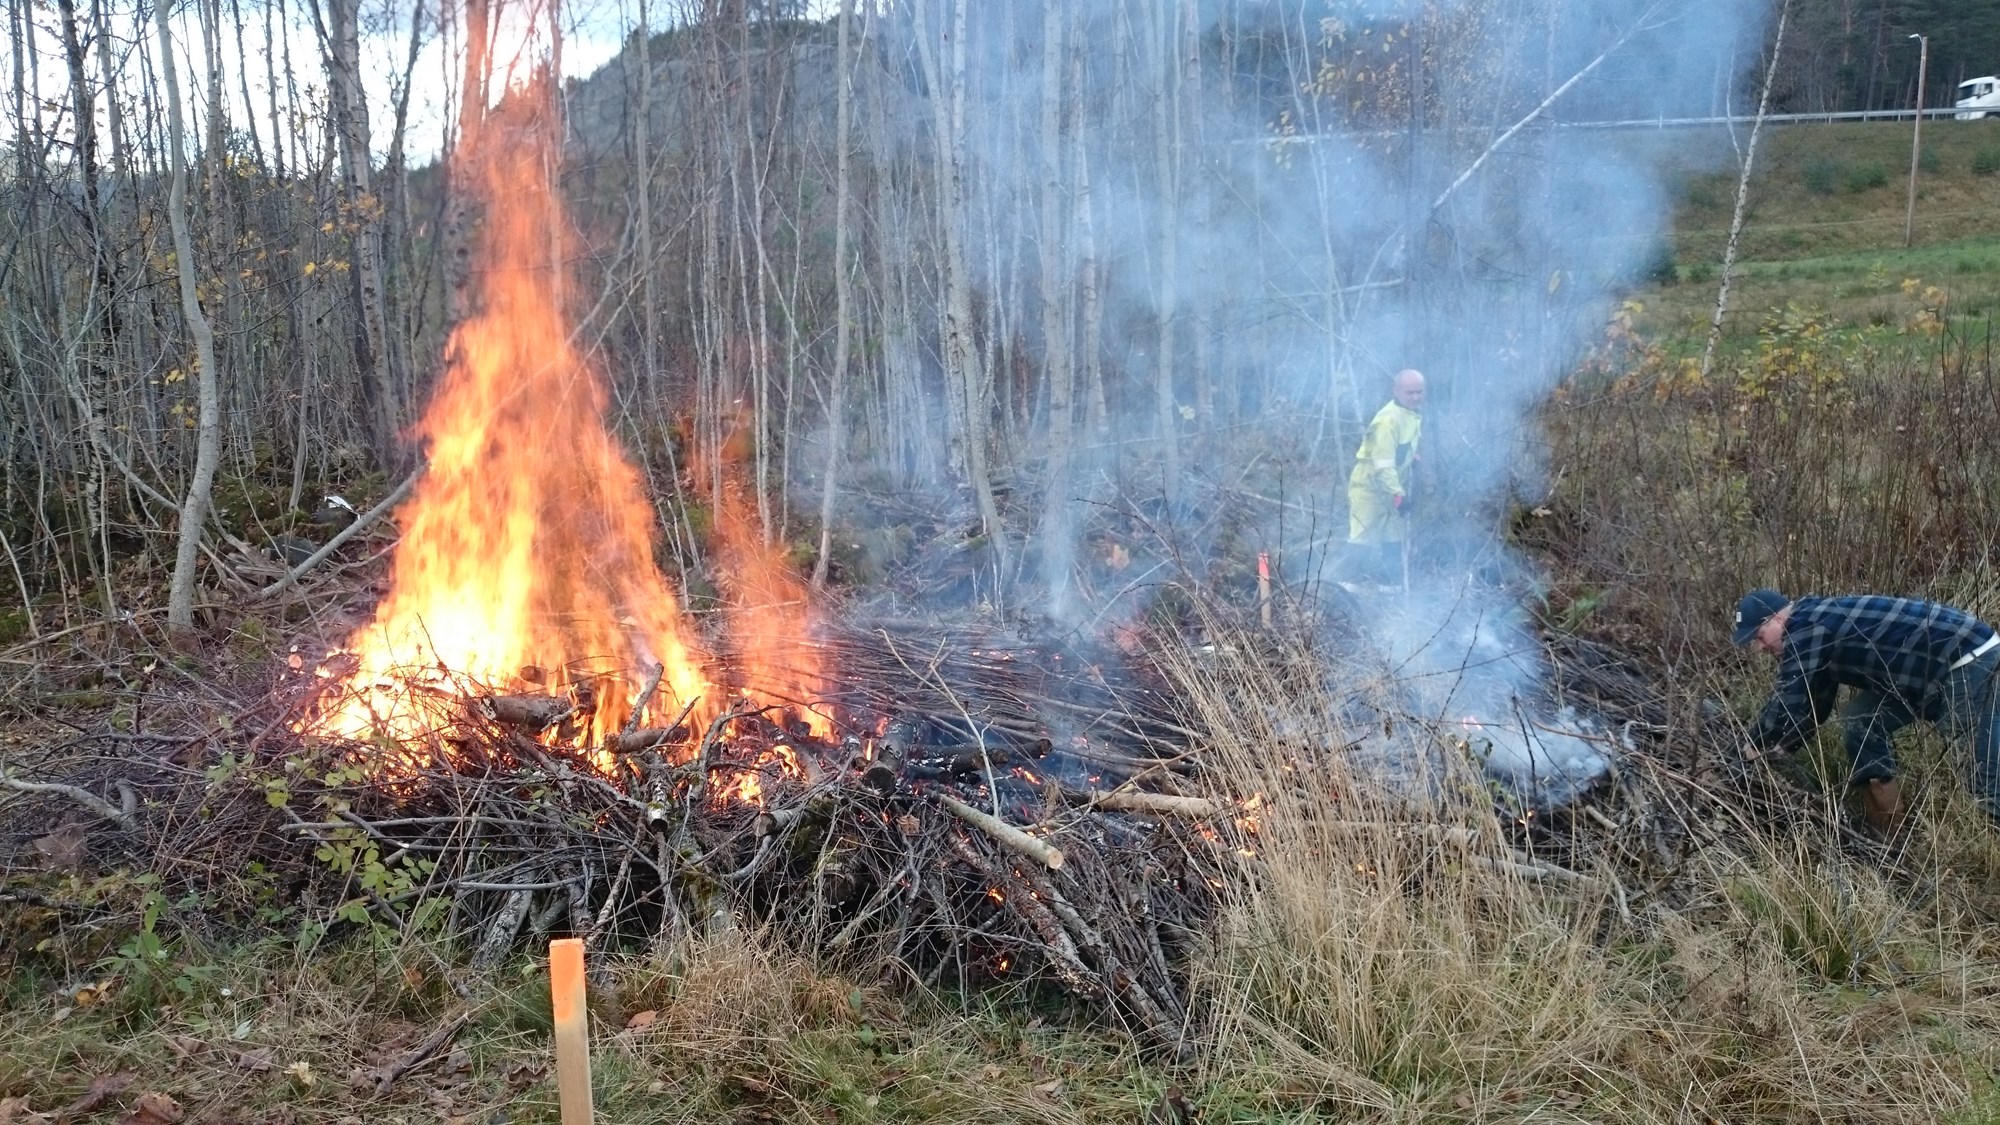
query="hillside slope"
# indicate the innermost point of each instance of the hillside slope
(1826, 222)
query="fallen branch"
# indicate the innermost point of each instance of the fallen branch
(125, 814)
(1057, 947)
(529, 712)
(1604, 822)
(1137, 800)
(500, 932)
(361, 523)
(1534, 870)
(1117, 977)
(610, 908)
(1008, 836)
(645, 696)
(770, 822)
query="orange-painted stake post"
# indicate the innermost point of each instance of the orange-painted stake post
(1264, 586)
(572, 1030)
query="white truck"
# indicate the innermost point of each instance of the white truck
(1978, 97)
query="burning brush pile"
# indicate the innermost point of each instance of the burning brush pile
(937, 823)
(531, 730)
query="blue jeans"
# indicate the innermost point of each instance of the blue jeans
(1965, 705)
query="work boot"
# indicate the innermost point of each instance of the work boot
(1882, 806)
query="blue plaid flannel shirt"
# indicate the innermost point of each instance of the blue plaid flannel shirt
(1898, 647)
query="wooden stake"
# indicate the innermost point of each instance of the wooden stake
(1264, 587)
(572, 1030)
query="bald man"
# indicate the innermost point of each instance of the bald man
(1378, 488)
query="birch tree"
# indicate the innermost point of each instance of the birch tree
(1057, 316)
(208, 447)
(339, 29)
(965, 373)
(836, 410)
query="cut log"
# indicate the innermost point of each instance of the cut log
(880, 778)
(1136, 800)
(1008, 836)
(770, 822)
(528, 712)
(646, 738)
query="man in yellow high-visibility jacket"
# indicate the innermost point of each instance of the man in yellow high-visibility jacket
(1378, 490)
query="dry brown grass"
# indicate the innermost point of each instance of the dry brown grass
(1817, 465)
(723, 1029)
(1377, 976)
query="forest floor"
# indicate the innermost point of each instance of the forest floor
(1792, 976)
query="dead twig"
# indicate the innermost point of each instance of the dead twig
(389, 1075)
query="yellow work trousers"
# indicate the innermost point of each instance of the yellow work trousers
(1371, 517)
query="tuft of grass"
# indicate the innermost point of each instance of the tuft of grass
(1374, 973)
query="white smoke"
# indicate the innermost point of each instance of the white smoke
(1436, 208)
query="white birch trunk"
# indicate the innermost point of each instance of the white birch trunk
(1743, 197)
(208, 419)
(836, 410)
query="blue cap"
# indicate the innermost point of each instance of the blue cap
(1756, 608)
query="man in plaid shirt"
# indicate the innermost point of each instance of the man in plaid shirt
(1905, 659)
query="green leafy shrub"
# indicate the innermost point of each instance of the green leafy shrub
(1821, 175)
(1867, 176)
(1986, 161)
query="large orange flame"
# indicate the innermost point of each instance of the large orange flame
(526, 562)
(769, 613)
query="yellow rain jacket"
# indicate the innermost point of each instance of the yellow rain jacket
(1381, 473)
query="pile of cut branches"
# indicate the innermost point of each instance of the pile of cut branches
(993, 812)
(958, 841)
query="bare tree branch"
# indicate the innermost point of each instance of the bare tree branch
(125, 814)
(1500, 141)
(361, 523)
